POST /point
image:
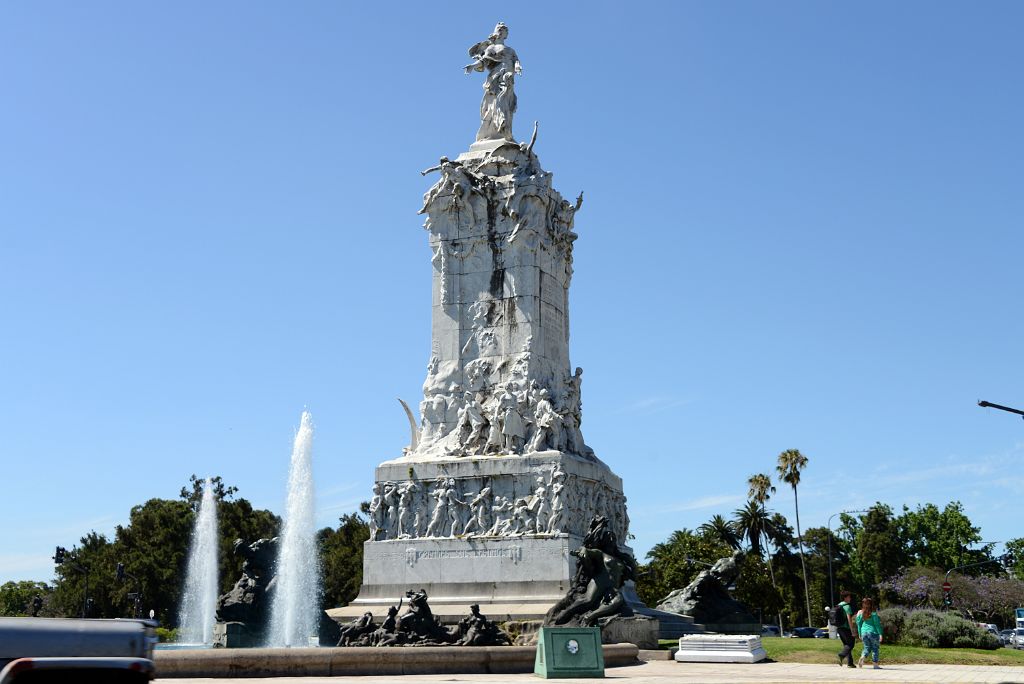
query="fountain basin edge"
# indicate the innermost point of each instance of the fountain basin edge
(331, 662)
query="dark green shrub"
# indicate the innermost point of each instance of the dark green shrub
(963, 642)
(893, 623)
(166, 635)
(933, 629)
(989, 641)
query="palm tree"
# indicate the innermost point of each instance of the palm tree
(750, 522)
(719, 529)
(791, 462)
(760, 489)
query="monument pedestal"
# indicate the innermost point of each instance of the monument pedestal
(503, 536)
(510, 578)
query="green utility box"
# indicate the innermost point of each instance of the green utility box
(564, 652)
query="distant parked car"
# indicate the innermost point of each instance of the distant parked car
(770, 630)
(821, 633)
(1017, 640)
(807, 632)
(1005, 636)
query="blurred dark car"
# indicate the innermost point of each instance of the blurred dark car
(802, 633)
(821, 633)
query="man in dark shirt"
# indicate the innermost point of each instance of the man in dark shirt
(845, 629)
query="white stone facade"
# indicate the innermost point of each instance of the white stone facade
(499, 380)
(497, 485)
(543, 494)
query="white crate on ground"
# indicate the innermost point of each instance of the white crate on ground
(720, 648)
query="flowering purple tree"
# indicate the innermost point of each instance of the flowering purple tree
(978, 598)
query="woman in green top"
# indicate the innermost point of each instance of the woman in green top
(870, 629)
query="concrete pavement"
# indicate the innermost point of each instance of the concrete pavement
(662, 672)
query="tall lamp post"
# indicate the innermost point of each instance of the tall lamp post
(987, 404)
(831, 590)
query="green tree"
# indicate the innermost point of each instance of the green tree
(756, 589)
(194, 492)
(85, 580)
(1015, 551)
(779, 533)
(791, 464)
(721, 530)
(154, 548)
(880, 548)
(816, 548)
(940, 539)
(16, 597)
(341, 554)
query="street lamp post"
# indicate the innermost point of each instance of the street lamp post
(988, 404)
(831, 590)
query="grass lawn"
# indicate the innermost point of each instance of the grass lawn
(824, 651)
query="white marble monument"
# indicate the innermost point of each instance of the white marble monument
(497, 485)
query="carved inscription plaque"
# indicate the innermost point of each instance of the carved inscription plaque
(413, 556)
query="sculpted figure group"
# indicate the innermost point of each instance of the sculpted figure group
(515, 417)
(707, 599)
(418, 626)
(543, 503)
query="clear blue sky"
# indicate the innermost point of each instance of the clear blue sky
(802, 230)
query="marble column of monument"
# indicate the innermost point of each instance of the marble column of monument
(497, 486)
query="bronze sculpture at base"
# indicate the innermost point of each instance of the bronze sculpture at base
(596, 589)
(418, 626)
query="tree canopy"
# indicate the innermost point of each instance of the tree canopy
(153, 547)
(878, 553)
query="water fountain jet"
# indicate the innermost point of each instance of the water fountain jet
(295, 607)
(199, 600)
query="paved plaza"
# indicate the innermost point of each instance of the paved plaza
(671, 671)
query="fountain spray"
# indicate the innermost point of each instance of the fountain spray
(199, 601)
(295, 608)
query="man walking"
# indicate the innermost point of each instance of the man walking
(842, 618)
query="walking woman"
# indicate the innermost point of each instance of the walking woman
(870, 629)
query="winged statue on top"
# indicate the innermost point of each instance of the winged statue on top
(502, 66)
